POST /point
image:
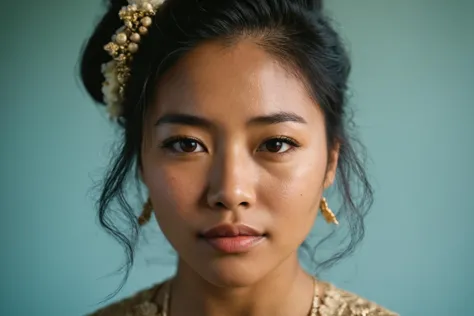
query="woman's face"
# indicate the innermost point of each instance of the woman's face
(234, 141)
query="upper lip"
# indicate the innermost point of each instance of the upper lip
(230, 230)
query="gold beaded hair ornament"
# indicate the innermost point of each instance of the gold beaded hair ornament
(137, 18)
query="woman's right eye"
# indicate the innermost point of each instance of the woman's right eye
(183, 145)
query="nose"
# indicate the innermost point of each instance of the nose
(231, 182)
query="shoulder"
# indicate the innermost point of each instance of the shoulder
(335, 302)
(344, 303)
(136, 305)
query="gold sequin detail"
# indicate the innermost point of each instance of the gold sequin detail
(335, 302)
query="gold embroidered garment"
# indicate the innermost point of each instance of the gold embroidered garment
(336, 302)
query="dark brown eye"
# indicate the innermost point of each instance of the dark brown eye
(278, 145)
(274, 145)
(183, 145)
(187, 145)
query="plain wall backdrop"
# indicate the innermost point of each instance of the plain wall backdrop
(412, 87)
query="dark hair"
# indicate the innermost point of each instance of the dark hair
(295, 32)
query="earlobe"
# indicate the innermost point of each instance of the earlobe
(331, 170)
(330, 177)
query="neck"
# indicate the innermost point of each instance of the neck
(287, 290)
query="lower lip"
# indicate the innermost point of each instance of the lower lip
(238, 244)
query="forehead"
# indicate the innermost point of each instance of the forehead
(241, 80)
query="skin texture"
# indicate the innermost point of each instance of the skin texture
(234, 171)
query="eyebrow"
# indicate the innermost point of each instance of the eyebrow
(192, 120)
(277, 118)
(183, 119)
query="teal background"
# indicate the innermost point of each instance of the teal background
(413, 90)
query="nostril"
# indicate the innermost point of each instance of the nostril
(221, 205)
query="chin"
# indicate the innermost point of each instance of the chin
(232, 272)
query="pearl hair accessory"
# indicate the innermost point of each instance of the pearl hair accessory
(137, 18)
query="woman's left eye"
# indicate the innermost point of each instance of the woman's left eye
(278, 145)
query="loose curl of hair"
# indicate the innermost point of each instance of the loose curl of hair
(295, 32)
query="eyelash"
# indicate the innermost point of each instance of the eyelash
(284, 139)
(170, 142)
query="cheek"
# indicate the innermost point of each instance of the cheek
(175, 193)
(293, 194)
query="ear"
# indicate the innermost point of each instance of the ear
(331, 169)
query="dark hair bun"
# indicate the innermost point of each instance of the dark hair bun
(94, 54)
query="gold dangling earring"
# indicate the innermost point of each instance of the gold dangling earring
(146, 213)
(327, 213)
